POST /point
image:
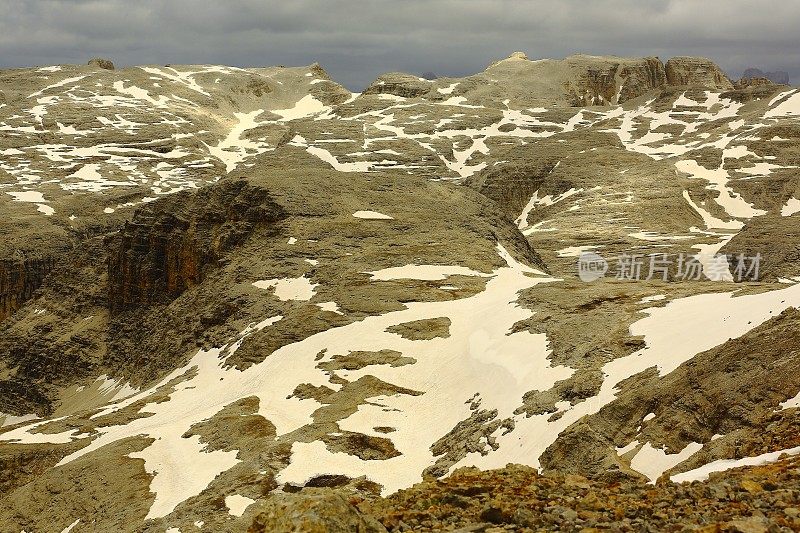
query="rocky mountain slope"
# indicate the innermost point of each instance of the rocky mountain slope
(220, 286)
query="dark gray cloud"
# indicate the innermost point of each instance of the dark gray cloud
(357, 40)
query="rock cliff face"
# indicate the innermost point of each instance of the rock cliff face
(697, 71)
(165, 250)
(610, 81)
(18, 281)
(640, 78)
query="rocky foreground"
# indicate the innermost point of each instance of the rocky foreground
(516, 498)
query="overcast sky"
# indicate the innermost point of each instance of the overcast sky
(357, 40)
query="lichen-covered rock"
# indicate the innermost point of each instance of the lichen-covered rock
(313, 511)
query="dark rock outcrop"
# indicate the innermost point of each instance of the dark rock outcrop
(169, 246)
(19, 278)
(101, 63)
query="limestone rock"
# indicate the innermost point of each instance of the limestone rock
(168, 248)
(101, 63)
(696, 71)
(399, 84)
(19, 279)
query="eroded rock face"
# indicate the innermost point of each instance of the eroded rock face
(640, 78)
(697, 71)
(166, 249)
(18, 281)
(619, 81)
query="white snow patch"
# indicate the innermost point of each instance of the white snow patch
(33, 197)
(181, 467)
(791, 403)
(652, 462)
(721, 465)
(710, 220)
(12, 420)
(423, 272)
(87, 178)
(237, 504)
(300, 289)
(576, 251)
(480, 356)
(731, 201)
(332, 307)
(305, 107)
(788, 108)
(792, 206)
(673, 334)
(448, 89)
(71, 526)
(24, 435)
(628, 448)
(232, 150)
(372, 215)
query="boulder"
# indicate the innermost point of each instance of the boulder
(101, 63)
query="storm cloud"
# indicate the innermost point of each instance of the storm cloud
(356, 40)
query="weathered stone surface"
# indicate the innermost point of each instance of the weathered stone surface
(19, 279)
(101, 63)
(697, 71)
(313, 511)
(166, 249)
(399, 84)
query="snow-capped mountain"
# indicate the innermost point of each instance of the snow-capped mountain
(217, 283)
